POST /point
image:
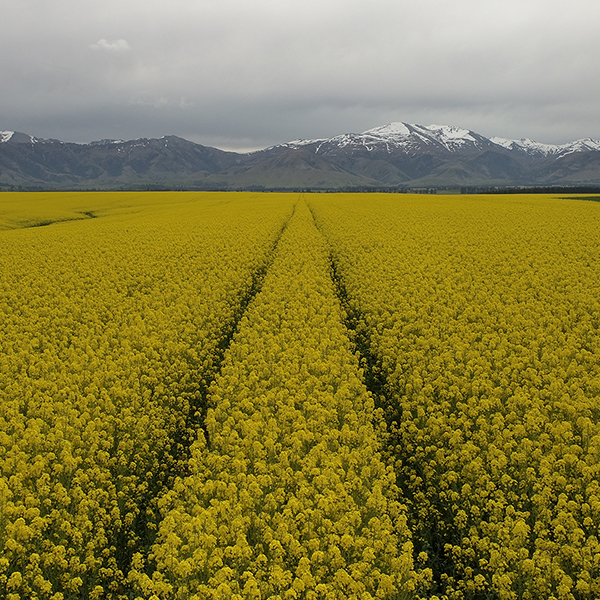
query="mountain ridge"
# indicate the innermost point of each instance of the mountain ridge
(396, 155)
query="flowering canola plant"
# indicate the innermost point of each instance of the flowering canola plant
(288, 496)
(109, 332)
(269, 396)
(481, 318)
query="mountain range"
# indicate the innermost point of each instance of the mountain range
(395, 156)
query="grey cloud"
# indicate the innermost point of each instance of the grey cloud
(119, 45)
(234, 73)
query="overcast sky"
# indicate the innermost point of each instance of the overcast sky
(246, 74)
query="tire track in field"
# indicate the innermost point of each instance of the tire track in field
(89, 214)
(375, 380)
(180, 446)
(292, 495)
(197, 414)
(373, 374)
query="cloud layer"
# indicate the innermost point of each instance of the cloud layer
(239, 74)
(112, 46)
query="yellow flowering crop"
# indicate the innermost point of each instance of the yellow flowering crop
(109, 332)
(278, 396)
(481, 318)
(288, 496)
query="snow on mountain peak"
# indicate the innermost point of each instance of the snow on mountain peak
(450, 132)
(392, 129)
(526, 145)
(584, 144)
(504, 142)
(531, 147)
(405, 133)
(16, 137)
(412, 137)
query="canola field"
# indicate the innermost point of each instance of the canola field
(288, 396)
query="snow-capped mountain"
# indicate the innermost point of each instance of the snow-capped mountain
(18, 138)
(531, 147)
(394, 155)
(401, 135)
(441, 155)
(449, 137)
(410, 136)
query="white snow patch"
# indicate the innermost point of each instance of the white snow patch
(527, 145)
(532, 147)
(449, 136)
(295, 144)
(584, 145)
(390, 130)
(5, 136)
(505, 143)
(403, 134)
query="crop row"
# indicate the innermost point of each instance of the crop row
(288, 496)
(183, 413)
(111, 331)
(481, 318)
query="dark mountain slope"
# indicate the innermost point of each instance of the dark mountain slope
(108, 163)
(395, 155)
